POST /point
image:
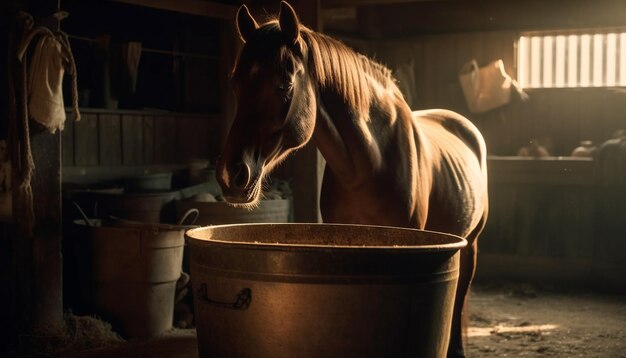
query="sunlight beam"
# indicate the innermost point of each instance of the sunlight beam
(547, 61)
(598, 60)
(611, 59)
(585, 60)
(559, 66)
(572, 61)
(487, 331)
(535, 61)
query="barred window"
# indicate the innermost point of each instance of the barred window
(572, 59)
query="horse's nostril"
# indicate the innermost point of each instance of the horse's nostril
(241, 174)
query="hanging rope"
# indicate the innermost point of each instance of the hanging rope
(22, 157)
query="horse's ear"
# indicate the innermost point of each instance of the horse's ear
(245, 23)
(289, 23)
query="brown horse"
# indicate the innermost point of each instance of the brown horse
(386, 165)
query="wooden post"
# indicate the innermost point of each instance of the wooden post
(39, 264)
(8, 295)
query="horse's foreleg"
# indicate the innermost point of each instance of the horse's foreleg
(456, 347)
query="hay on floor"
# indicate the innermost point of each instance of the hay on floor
(79, 333)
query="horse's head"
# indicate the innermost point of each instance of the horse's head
(275, 104)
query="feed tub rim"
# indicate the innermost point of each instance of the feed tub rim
(460, 242)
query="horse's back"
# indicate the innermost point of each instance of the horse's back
(459, 156)
(454, 124)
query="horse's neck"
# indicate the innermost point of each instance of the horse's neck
(332, 121)
(353, 146)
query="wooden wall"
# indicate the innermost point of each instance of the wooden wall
(552, 220)
(136, 138)
(566, 115)
(181, 103)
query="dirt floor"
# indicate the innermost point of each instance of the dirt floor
(506, 320)
(517, 320)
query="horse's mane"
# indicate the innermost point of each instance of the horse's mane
(335, 66)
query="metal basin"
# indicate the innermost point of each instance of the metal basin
(322, 290)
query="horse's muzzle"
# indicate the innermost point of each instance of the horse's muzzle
(235, 180)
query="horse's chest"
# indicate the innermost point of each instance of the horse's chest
(368, 204)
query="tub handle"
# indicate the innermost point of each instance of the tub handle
(191, 212)
(242, 301)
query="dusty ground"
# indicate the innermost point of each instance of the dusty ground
(525, 321)
(506, 320)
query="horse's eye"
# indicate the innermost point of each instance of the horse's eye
(285, 86)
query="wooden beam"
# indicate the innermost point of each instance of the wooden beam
(192, 7)
(415, 18)
(329, 4)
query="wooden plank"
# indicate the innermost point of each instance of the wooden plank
(492, 49)
(67, 143)
(429, 76)
(132, 140)
(208, 139)
(192, 7)
(560, 123)
(148, 139)
(570, 223)
(545, 127)
(553, 171)
(331, 4)
(211, 142)
(190, 131)
(463, 53)
(110, 139)
(445, 68)
(592, 115)
(499, 233)
(519, 122)
(86, 140)
(200, 93)
(165, 145)
(506, 41)
(614, 104)
(496, 266)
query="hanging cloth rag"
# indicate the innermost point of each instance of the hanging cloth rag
(50, 59)
(129, 56)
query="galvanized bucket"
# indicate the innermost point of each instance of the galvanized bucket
(134, 271)
(220, 212)
(143, 207)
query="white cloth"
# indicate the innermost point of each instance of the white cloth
(45, 83)
(485, 88)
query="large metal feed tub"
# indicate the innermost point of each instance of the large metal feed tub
(322, 290)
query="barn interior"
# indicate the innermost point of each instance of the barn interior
(156, 102)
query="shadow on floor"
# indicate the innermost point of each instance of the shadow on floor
(173, 344)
